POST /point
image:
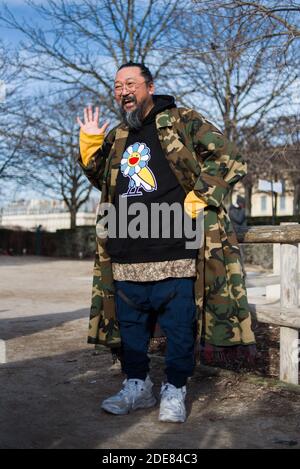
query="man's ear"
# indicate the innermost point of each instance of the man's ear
(151, 88)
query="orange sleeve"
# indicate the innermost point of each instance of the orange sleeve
(89, 144)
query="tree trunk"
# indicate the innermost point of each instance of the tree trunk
(248, 201)
(296, 199)
(73, 214)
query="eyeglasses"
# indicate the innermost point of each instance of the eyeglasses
(130, 86)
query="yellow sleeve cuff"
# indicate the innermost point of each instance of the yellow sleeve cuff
(193, 204)
(89, 144)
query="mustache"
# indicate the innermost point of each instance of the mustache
(126, 99)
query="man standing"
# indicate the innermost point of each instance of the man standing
(161, 154)
(237, 213)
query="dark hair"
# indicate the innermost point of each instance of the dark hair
(145, 72)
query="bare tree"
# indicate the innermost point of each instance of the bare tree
(286, 153)
(50, 147)
(82, 42)
(77, 50)
(10, 77)
(271, 19)
(273, 152)
(218, 56)
(237, 87)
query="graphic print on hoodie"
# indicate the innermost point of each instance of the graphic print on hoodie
(145, 176)
(134, 165)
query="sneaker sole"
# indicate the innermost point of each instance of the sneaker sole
(115, 411)
(171, 417)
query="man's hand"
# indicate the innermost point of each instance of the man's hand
(91, 122)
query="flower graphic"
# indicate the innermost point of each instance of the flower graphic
(134, 164)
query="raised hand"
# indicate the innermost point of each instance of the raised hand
(91, 122)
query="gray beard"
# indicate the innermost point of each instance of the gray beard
(134, 119)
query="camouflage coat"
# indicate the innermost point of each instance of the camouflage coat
(203, 161)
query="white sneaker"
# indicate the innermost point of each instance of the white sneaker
(136, 394)
(172, 406)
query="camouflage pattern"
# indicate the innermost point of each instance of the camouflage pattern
(203, 161)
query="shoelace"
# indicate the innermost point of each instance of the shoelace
(170, 392)
(132, 387)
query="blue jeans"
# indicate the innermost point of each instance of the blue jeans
(172, 300)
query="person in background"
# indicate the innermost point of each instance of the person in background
(237, 214)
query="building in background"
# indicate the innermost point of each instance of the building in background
(51, 215)
(261, 201)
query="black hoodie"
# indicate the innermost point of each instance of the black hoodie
(151, 182)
